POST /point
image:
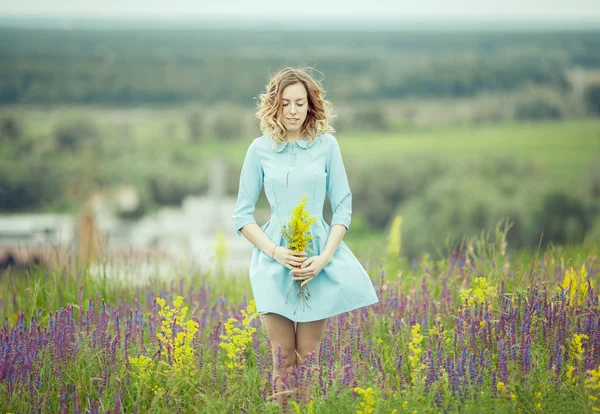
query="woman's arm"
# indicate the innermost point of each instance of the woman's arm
(251, 183)
(258, 238)
(336, 234)
(340, 197)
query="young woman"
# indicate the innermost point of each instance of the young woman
(296, 156)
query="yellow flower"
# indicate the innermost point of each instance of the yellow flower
(577, 347)
(592, 383)
(297, 230)
(236, 340)
(575, 285)
(479, 291)
(297, 234)
(415, 350)
(142, 367)
(368, 400)
(183, 353)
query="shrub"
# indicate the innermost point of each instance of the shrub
(537, 109)
(73, 135)
(195, 125)
(26, 186)
(563, 217)
(387, 185)
(592, 97)
(172, 190)
(10, 129)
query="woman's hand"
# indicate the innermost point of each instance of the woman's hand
(310, 268)
(289, 258)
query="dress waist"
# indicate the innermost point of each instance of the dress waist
(276, 218)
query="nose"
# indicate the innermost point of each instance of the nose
(293, 108)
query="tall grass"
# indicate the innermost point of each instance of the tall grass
(482, 330)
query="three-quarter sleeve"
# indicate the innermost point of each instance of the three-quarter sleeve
(251, 183)
(338, 188)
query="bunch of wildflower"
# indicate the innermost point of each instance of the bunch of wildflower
(575, 285)
(183, 352)
(575, 354)
(236, 340)
(479, 291)
(592, 383)
(296, 233)
(505, 392)
(178, 346)
(368, 400)
(416, 350)
(142, 367)
(437, 333)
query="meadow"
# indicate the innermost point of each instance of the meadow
(483, 330)
(451, 132)
(447, 179)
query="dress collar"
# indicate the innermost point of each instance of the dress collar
(303, 143)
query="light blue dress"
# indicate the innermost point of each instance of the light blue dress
(288, 172)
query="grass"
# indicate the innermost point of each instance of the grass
(422, 348)
(563, 146)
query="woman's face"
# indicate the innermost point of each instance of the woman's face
(294, 106)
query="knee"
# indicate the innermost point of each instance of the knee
(304, 353)
(285, 356)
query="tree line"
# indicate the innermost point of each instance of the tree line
(130, 67)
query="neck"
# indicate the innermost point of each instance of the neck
(292, 136)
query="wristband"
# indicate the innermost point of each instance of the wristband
(273, 252)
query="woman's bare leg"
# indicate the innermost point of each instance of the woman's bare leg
(308, 339)
(280, 331)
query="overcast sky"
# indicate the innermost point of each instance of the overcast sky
(557, 10)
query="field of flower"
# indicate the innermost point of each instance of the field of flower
(483, 330)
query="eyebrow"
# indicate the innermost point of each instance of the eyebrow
(299, 99)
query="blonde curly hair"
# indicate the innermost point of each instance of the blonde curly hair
(270, 108)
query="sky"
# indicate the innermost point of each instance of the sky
(534, 10)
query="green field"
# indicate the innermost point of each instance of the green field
(519, 161)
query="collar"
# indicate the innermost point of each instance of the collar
(303, 143)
